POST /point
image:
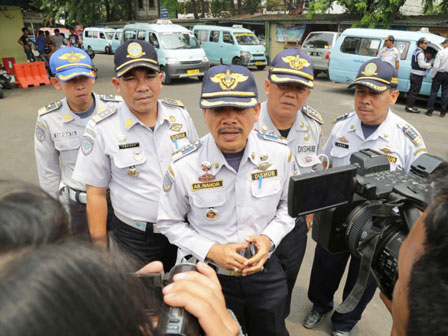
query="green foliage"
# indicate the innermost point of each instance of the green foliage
(172, 6)
(435, 6)
(251, 6)
(372, 12)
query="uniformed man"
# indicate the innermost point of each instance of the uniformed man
(419, 65)
(372, 125)
(286, 115)
(229, 190)
(60, 126)
(439, 79)
(127, 148)
(389, 53)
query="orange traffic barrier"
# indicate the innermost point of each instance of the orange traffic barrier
(33, 73)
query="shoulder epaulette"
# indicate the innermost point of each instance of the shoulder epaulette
(272, 137)
(313, 114)
(412, 134)
(340, 118)
(184, 151)
(50, 107)
(172, 102)
(111, 98)
(102, 114)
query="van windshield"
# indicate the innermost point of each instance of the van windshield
(246, 39)
(178, 41)
(109, 35)
(319, 40)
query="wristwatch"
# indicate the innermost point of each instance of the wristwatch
(272, 245)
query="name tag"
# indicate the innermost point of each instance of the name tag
(304, 149)
(265, 174)
(65, 134)
(207, 185)
(178, 136)
(129, 145)
(340, 144)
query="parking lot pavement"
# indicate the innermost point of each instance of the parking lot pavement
(18, 111)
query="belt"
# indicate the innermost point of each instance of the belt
(223, 271)
(139, 225)
(77, 195)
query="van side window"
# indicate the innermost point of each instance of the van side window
(88, 33)
(102, 36)
(141, 35)
(227, 37)
(403, 47)
(95, 34)
(118, 36)
(153, 40)
(360, 46)
(201, 35)
(129, 35)
(214, 36)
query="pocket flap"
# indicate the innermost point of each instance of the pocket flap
(129, 157)
(268, 187)
(209, 198)
(62, 144)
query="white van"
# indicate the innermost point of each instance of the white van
(98, 39)
(178, 51)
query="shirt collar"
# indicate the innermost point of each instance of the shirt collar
(129, 119)
(383, 131)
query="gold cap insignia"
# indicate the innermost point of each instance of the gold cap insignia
(72, 57)
(296, 63)
(135, 50)
(370, 70)
(228, 81)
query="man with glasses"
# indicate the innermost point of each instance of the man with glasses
(286, 114)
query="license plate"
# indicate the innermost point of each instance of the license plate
(193, 72)
(259, 63)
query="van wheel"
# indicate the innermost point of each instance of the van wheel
(316, 73)
(261, 67)
(165, 78)
(236, 61)
(107, 50)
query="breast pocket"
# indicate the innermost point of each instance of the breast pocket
(208, 203)
(267, 195)
(129, 157)
(65, 144)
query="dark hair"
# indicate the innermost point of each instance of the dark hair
(41, 32)
(70, 289)
(29, 217)
(428, 284)
(56, 30)
(24, 28)
(47, 32)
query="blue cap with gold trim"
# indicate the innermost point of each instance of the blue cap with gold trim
(135, 53)
(292, 66)
(423, 40)
(377, 75)
(70, 62)
(228, 85)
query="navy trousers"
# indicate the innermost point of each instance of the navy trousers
(326, 275)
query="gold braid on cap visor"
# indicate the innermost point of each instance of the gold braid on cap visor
(253, 102)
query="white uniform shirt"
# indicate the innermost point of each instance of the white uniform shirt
(441, 62)
(233, 206)
(122, 153)
(390, 55)
(304, 138)
(394, 137)
(56, 145)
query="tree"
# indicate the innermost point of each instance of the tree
(251, 6)
(173, 7)
(435, 6)
(372, 12)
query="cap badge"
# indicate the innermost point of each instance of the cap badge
(135, 50)
(370, 70)
(72, 57)
(228, 81)
(296, 63)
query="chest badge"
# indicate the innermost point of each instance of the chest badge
(386, 151)
(133, 172)
(138, 156)
(211, 214)
(306, 137)
(206, 177)
(176, 127)
(172, 118)
(122, 138)
(263, 166)
(343, 139)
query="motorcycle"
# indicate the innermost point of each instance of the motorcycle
(91, 54)
(5, 82)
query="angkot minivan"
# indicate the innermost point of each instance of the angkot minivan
(318, 46)
(356, 45)
(229, 45)
(98, 39)
(178, 50)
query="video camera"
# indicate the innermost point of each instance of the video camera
(172, 321)
(366, 209)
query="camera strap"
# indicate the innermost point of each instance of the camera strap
(367, 250)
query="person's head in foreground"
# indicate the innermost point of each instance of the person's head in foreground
(29, 217)
(229, 101)
(420, 296)
(375, 90)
